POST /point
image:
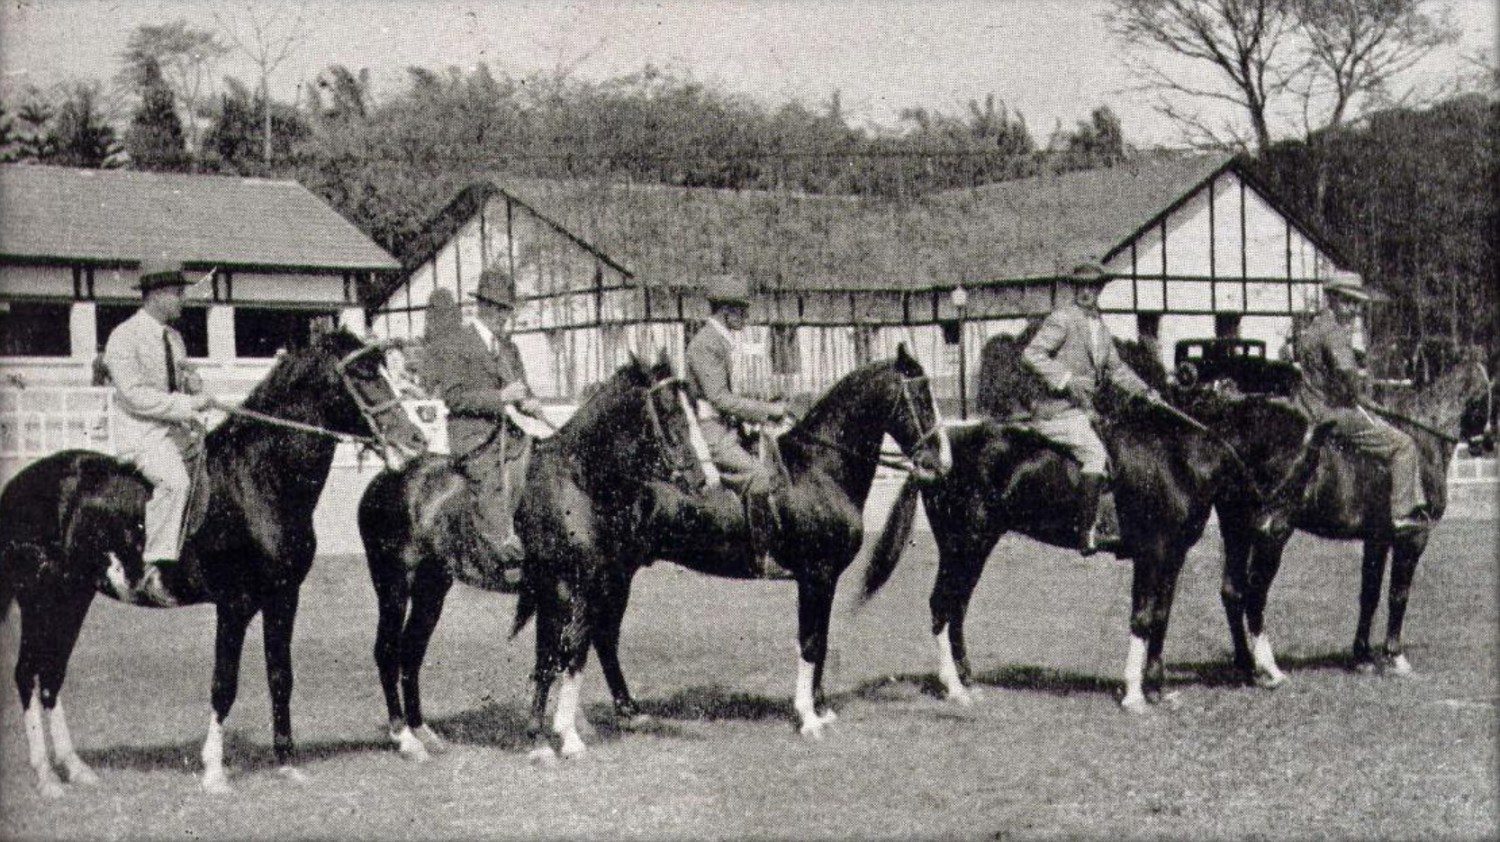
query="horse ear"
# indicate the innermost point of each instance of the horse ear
(903, 355)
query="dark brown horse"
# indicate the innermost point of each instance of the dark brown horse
(1346, 498)
(595, 483)
(72, 516)
(830, 457)
(1167, 475)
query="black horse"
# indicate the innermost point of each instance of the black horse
(597, 479)
(71, 517)
(1167, 475)
(829, 459)
(1347, 497)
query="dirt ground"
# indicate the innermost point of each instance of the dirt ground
(1046, 752)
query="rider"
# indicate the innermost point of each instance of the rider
(710, 374)
(1331, 390)
(477, 372)
(159, 400)
(1075, 355)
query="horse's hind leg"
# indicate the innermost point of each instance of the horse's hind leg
(958, 575)
(392, 594)
(814, 607)
(229, 643)
(1265, 562)
(35, 630)
(611, 616)
(278, 618)
(1403, 569)
(428, 592)
(1234, 585)
(562, 640)
(1372, 576)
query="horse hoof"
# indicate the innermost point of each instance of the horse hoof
(1270, 681)
(542, 756)
(974, 692)
(572, 746)
(1400, 667)
(431, 739)
(1170, 701)
(51, 788)
(215, 783)
(962, 698)
(828, 716)
(636, 722)
(410, 746)
(1134, 705)
(293, 775)
(79, 773)
(1365, 667)
(812, 729)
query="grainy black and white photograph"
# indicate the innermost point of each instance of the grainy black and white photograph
(798, 419)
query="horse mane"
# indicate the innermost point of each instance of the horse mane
(835, 395)
(1008, 388)
(600, 399)
(285, 381)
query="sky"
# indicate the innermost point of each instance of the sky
(1051, 60)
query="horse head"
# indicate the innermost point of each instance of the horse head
(1443, 401)
(915, 422)
(639, 422)
(345, 379)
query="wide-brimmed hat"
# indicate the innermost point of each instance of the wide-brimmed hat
(157, 273)
(1088, 272)
(497, 287)
(728, 289)
(1350, 285)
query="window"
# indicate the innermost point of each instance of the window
(260, 332)
(1227, 325)
(1148, 324)
(950, 332)
(786, 355)
(35, 329)
(193, 326)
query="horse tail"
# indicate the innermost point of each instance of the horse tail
(892, 541)
(525, 610)
(7, 586)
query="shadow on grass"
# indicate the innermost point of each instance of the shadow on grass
(239, 753)
(716, 702)
(1224, 673)
(504, 726)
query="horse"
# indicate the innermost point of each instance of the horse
(1167, 475)
(630, 438)
(828, 459)
(74, 519)
(1345, 497)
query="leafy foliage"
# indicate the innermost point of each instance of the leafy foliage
(154, 139)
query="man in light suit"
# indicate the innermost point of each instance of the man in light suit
(710, 375)
(1075, 356)
(476, 369)
(157, 401)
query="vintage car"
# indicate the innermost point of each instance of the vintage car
(1232, 365)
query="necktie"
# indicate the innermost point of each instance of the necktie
(166, 342)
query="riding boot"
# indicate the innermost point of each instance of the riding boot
(1098, 525)
(763, 521)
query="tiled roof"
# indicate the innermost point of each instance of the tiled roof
(1028, 228)
(118, 216)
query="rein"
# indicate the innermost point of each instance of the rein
(898, 463)
(273, 421)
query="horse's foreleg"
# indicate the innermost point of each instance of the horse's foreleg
(814, 608)
(552, 601)
(35, 620)
(958, 574)
(392, 594)
(1403, 569)
(66, 623)
(1161, 616)
(611, 616)
(428, 593)
(229, 642)
(1372, 576)
(1265, 561)
(279, 617)
(1234, 584)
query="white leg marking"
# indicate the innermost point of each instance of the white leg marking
(430, 738)
(62, 747)
(948, 671)
(1135, 670)
(812, 724)
(1271, 675)
(115, 575)
(410, 747)
(214, 779)
(1401, 667)
(293, 774)
(36, 745)
(565, 720)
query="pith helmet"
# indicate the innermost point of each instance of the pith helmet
(157, 273)
(1089, 272)
(728, 289)
(497, 287)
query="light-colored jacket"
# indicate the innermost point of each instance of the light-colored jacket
(1073, 344)
(710, 370)
(136, 357)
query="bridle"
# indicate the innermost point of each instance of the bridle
(898, 463)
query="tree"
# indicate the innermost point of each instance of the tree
(233, 141)
(154, 139)
(1327, 54)
(183, 57)
(83, 136)
(268, 39)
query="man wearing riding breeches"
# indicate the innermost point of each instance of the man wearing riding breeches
(1075, 355)
(1331, 390)
(158, 400)
(710, 375)
(477, 371)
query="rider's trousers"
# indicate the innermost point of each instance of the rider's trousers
(1375, 437)
(159, 459)
(730, 457)
(1072, 430)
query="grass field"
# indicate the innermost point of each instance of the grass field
(1046, 752)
